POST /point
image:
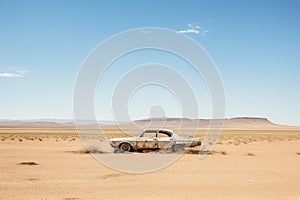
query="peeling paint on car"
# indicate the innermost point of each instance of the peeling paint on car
(149, 140)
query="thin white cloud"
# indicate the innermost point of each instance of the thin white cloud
(189, 31)
(17, 74)
(10, 75)
(194, 28)
(22, 72)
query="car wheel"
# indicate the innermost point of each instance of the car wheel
(178, 148)
(125, 147)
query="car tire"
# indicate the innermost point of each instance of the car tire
(178, 148)
(125, 147)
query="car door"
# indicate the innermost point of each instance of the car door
(164, 140)
(148, 140)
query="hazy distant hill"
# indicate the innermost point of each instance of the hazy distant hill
(238, 122)
(52, 122)
(30, 123)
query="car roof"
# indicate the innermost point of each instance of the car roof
(167, 130)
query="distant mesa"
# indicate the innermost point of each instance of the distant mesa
(164, 119)
(237, 122)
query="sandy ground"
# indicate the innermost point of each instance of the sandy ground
(242, 166)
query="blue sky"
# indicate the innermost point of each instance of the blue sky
(255, 45)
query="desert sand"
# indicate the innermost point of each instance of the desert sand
(51, 163)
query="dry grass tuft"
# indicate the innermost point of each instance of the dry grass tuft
(250, 154)
(81, 151)
(28, 138)
(33, 179)
(298, 153)
(86, 151)
(108, 176)
(194, 151)
(28, 163)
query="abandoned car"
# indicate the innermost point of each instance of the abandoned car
(154, 140)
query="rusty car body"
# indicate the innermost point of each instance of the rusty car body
(154, 140)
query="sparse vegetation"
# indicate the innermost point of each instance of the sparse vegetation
(110, 176)
(33, 179)
(195, 151)
(86, 151)
(192, 151)
(28, 163)
(250, 154)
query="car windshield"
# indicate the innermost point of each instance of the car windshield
(139, 134)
